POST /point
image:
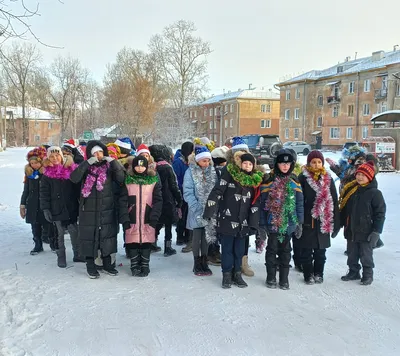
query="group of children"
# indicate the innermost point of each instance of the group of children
(216, 197)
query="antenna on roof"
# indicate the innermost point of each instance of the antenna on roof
(395, 47)
(250, 86)
(355, 55)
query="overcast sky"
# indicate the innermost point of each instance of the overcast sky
(253, 41)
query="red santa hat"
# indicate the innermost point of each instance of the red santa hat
(142, 149)
(70, 143)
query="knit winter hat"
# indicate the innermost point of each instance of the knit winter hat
(368, 169)
(238, 144)
(187, 148)
(140, 161)
(96, 149)
(142, 149)
(201, 153)
(220, 152)
(315, 154)
(54, 149)
(247, 157)
(112, 152)
(37, 154)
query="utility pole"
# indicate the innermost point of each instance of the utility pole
(3, 125)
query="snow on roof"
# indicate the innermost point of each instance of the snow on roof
(349, 67)
(99, 132)
(31, 113)
(242, 94)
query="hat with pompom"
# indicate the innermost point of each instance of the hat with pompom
(142, 149)
(202, 152)
(37, 154)
(368, 169)
(125, 144)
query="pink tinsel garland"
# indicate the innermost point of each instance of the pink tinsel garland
(323, 203)
(98, 175)
(59, 171)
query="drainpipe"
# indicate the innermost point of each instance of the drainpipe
(304, 111)
(237, 119)
(357, 109)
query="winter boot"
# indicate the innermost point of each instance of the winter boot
(61, 258)
(38, 246)
(134, 255)
(204, 265)
(52, 243)
(246, 269)
(307, 272)
(367, 277)
(188, 247)
(91, 269)
(271, 278)
(213, 259)
(319, 272)
(284, 278)
(155, 247)
(226, 280)
(145, 262)
(168, 250)
(198, 267)
(238, 280)
(299, 268)
(108, 267)
(260, 244)
(352, 275)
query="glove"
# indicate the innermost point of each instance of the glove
(299, 231)
(92, 160)
(335, 233)
(373, 238)
(108, 159)
(22, 211)
(126, 225)
(47, 215)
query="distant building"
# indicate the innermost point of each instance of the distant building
(339, 102)
(235, 114)
(42, 128)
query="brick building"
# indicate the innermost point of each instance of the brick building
(339, 102)
(235, 114)
(42, 126)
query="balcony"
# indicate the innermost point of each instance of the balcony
(380, 94)
(333, 99)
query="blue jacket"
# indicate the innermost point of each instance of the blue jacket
(266, 215)
(180, 167)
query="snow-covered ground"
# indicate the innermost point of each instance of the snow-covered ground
(45, 310)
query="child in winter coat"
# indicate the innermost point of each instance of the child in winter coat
(234, 201)
(98, 220)
(199, 180)
(59, 200)
(321, 217)
(362, 213)
(140, 212)
(282, 215)
(172, 198)
(29, 208)
(180, 165)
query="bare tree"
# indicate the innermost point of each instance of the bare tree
(18, 65)
(183, 62)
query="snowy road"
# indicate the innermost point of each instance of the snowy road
(45, 310)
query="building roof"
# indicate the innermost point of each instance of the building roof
(31, 113)
(241, 94)
(349, 67)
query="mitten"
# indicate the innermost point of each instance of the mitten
(299, 231)
(47, 215)
(92, 160)
(108, 159)
(335, 233)
(22, 211)
(373, 238)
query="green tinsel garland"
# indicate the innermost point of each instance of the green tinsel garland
(245, 180)
(141, 180)
(288, 209)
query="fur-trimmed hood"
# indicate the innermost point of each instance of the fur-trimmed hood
(29, 170)
(93, 143)
(160, 153)
(151, 169)
(235, 158)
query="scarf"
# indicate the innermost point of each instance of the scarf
(34, 175)
(98, 175)
(348, 190)
(281, 203)
(323, 203)
(59, 171)
(162, 163)
(141, 180)
(244, 179)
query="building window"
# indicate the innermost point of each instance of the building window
(215, 138)
(365, 132)
(398, 89)
(211, 125)
(335, 111)
(350, 111)
(231, 123)
(226, 123)
(320, 100)
(263, 108)
(211, 112)
(231, 107)
(367, 85)
(366, 109)
(286, 133)
(268, 107)
(265, 124)
(296, 134)
(37, 138)
(195, 114)
(226, 108)
(384, 82)
(215, 111)
(349, 133)
(205, 112)
(296, 114)
(287, 114)
(36, 123)
(319, 121)
(50, 125)
(351, 88)
(287, 94)
(334, 132)
(190, 114)
(297, 94)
